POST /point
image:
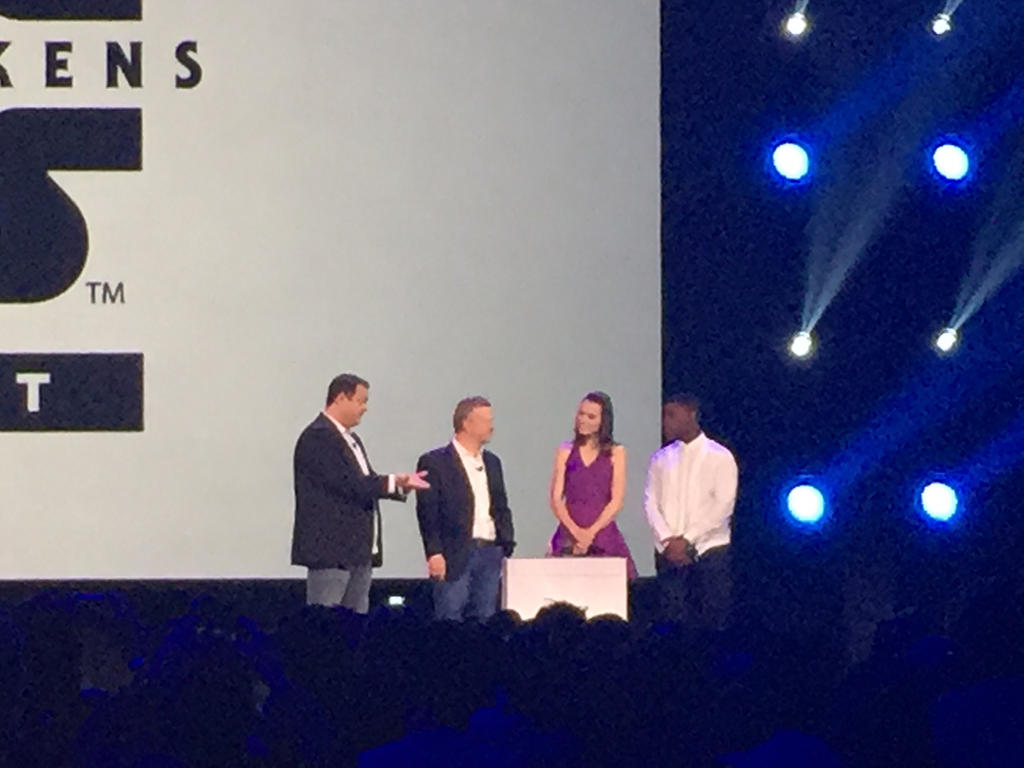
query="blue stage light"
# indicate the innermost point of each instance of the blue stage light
(951, 162)
(806, 504)
(939, 501)
(791, 161)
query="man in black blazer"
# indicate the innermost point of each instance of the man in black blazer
(337, 533)
(464, 517)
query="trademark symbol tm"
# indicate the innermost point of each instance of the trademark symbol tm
(102, 292)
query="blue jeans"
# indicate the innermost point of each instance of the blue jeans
(475, 592)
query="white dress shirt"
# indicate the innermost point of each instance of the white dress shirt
(691, 492)
(476, 471)
(364, 465)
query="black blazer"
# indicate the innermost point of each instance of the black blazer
(335, 503)
(445, 511)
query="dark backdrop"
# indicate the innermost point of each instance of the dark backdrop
(875, 410)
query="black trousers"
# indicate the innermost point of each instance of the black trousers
(698, 595)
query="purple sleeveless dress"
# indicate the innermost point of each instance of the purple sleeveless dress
(588, 489)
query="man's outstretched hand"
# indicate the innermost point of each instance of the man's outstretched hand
(412, 482)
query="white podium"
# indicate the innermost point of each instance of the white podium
(595, 584)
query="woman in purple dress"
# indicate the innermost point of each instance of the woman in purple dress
(588, 486)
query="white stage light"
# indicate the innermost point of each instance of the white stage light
(796, 24)
(801, 345)
(942, 24)
(946, 340)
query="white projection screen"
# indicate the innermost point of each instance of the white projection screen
(447, 197)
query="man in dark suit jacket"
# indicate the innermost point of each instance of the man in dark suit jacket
(464, 517)
(337, 533)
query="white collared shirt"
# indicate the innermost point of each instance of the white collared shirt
(691, 492)
(476, 471)
(364, 465)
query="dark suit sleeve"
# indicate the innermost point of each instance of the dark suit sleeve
(502, 514)
(428, 507)
(318, 460)
(398, 495)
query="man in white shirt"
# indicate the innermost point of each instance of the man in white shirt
(337, 532)
(464, 518)
(688, 501)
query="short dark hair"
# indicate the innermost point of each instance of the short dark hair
(465, 407)
(686, 400)
(346, 384)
